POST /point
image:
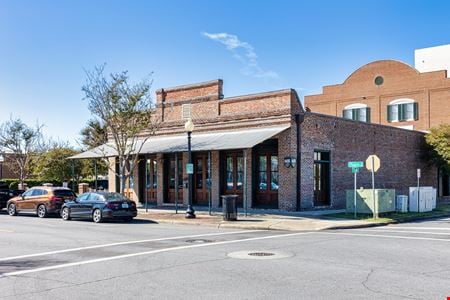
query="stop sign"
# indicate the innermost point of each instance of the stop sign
(373, 162)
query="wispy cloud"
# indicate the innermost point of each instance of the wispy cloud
(244, 52)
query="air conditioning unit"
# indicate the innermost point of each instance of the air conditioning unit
(401, 204)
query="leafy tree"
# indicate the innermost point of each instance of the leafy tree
(439, 140)
(127, 112)
(23, 143)
(94, 134)
(53, 164)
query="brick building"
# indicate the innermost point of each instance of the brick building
(392, 93)
(6, 167)
(388, 92)
(250, 145)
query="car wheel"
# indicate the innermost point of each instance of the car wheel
(12, 211)
(41, 211)
(97, 216)
(65, 214)
(128, 219)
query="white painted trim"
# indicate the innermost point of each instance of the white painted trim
(401, 101)
(355, 105)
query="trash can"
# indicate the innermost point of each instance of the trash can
(229, 205)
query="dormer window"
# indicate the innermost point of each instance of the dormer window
(357, 112)
(402, 110)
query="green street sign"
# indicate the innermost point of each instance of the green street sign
(355, 170)
(355, 164)
(189, 168)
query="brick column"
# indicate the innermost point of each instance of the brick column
(112, 174)
(160, 177)
(287, 147)
(215, 177)
(185, 157)
(249, 176)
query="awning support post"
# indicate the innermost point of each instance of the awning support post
(176, 182)
(209, 183)
(245, 183)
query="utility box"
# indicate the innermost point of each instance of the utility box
(385, 200)
(427, 199)
(401, 204)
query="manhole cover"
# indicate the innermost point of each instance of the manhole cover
(198, 241)
(259, 254)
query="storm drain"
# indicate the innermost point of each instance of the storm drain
(199, 241)
(259, 254)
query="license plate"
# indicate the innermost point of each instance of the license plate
(124, 205)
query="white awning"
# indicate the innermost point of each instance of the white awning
(218, 140)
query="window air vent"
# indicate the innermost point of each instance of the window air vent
(185, 111)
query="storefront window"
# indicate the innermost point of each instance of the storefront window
(229, 173)
(274, 173)
(240, 172)
(263, 172)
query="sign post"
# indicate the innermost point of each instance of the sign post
(373, 164)
(355, 165)
(418, 190)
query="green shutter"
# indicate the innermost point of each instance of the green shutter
(368, 114)
(355, 114)
(401, 112)
(416, 111)
(389, 108)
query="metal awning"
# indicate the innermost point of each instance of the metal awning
(218, 140)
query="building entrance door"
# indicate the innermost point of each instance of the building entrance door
(321, 178)
(266, 163)
(151, 178)
(200, 179)
(172, 169)
(233, 174)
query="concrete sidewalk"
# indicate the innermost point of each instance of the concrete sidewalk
(256, 219)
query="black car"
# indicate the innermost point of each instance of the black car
(6, 193)
(99, 206)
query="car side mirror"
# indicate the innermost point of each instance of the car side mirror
(23, 197)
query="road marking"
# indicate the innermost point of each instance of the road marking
(388, 236)
(6, 230)
(97, 260)
(404, 231)
(124, 243)
(425, 228)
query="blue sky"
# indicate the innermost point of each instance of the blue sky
(255, 46)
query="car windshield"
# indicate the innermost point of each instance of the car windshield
(63, 193)
(114, 197)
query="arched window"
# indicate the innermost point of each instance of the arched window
(357, 112)
(402, 110)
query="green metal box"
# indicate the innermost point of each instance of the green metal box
(385, 200)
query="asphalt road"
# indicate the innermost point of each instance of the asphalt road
(53, 259)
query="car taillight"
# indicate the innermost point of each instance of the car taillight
(54, 198)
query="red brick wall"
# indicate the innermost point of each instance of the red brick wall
(431, 90)
(398, 149)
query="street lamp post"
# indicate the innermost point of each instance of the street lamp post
(190, 212)
(2, 160)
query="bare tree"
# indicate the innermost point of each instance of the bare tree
(23, 143)
(127, 111)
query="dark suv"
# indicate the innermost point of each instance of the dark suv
(6, 193)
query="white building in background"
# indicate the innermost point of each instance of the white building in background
(433, 59)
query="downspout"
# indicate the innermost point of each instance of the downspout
(299, 118)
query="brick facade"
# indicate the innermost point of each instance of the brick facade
(346, 140)
(431, 90)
